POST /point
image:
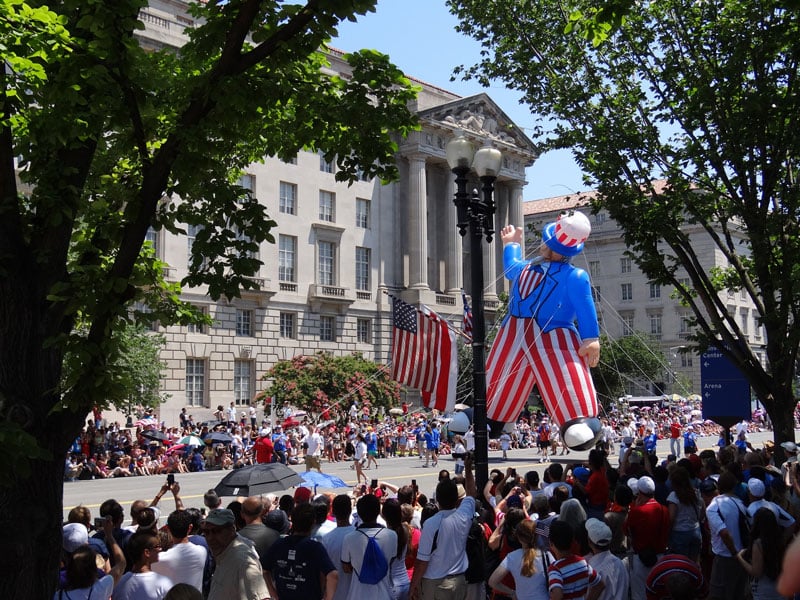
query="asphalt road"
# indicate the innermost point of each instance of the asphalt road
(397, 471)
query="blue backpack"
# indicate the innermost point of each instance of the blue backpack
(373, 566)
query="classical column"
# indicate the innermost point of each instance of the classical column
(454, 267)
(515, 203)
(417, 223)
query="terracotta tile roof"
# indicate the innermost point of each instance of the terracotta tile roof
(545, 205)
(556, 203)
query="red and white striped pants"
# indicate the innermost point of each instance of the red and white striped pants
(521, 356)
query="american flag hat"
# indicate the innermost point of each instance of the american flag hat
(567, 235)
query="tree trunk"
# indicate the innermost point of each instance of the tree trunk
(782, 414)
(30, 400)
(30, 544)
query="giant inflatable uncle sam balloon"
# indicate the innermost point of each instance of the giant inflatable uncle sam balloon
(539, 343)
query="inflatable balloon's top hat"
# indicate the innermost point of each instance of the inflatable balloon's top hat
(567, 235)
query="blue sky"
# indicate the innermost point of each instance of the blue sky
(419, 37)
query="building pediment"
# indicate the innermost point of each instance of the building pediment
(480, 116)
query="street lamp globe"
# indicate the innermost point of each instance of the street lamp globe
(487, 162)
(460, 152)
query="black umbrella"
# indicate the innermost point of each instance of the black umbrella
(218, 437)
(154, 434)
(253, 480)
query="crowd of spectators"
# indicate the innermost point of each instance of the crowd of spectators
(715, 523)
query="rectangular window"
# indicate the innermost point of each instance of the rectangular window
(655, 324)
(627, 292)
(600, 217)
(627, 323)
(248, 182)
(744, 317)
(655, 291)
(191, 235)
(198, 327)
(362, 176)
(756, 326)
(625, 264)
(363, 268)
(195, 381)
(326, 166)
(364, 331)
(327, 264)
(684, 327)
(288, 198)
(327, 206)
(686, 361)
(288, 326)
(287, 258)
(594, 268)
(151, 237)
(685, 282)
(362, 213)
(144, 314)
(244, 322)
(242, 376)
(327, 328)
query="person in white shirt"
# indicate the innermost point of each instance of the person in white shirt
(313, 444)
(611, 568)
(439, 567)
(142, 583)
(505, 444)
(342, 507)
(469, 439)
(728, 578)
(756, 489)
(184, 562)
(355, 543)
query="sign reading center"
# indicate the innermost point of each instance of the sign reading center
(725, 390)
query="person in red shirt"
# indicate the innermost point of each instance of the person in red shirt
(264, 448)
(597, 489)
(648, 528)
(675, 431)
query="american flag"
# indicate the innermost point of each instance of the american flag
(424, 354)
(466, 325)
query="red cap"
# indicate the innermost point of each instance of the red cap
(302, 495)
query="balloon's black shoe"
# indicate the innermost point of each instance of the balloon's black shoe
(581, 433)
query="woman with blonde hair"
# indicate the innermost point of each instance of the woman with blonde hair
(527, 566)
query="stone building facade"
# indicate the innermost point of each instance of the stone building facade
(338, 250)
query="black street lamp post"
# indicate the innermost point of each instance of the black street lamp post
(476, 213)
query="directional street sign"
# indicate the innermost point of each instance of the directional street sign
(725, 391)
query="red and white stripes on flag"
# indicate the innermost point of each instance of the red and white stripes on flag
(466, 325)
(424, 354)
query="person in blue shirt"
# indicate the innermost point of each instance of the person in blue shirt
(371, 439)
(689, 441)
(279, 444)
(650, 441)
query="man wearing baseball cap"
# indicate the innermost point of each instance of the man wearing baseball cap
(611, 569)
(756, 490)
(538, 342)
(238, 574)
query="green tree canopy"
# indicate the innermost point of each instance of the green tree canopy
(101, 140)
(324, 381)
(632, 358)
(685, 119)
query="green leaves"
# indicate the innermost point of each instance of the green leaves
(314, 383)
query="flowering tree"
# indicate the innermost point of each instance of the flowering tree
(323, 381)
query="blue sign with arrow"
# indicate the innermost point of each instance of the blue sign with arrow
(725, 390)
